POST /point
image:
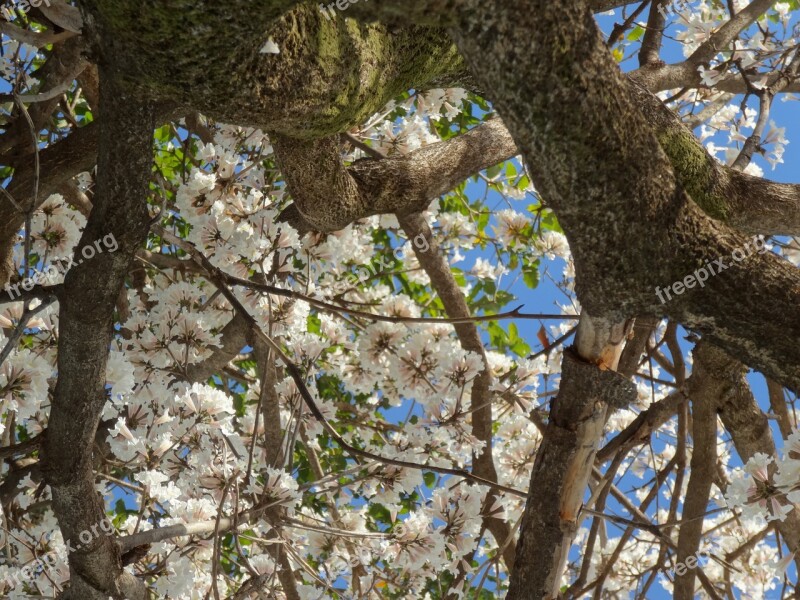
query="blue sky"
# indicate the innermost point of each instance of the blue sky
(546, 296)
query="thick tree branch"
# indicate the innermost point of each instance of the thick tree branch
(33, 38)
(659, 235)
(747, 203)
(561, 472)
(704, 397)
(329, 196)
(337, 195)
(650, 52)
(743, 419)
(86, 317)
(340, 72)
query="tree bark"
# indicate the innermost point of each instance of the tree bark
(561, 472)
(87, 305)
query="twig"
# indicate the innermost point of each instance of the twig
(294, 371)
(277, 291)
(23, 322)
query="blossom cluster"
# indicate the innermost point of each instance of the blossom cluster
(181, 432)
(186, 437)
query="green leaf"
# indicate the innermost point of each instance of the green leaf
(164, 133)
(530, 274)
(313, 324)
(494, 171)
(636, 33)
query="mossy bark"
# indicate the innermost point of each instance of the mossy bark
(329, 74)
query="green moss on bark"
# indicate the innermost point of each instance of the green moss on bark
(694, 169)
(330, 74)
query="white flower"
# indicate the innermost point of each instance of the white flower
(552, 244)
(119, 374)
(280, 488)
(461, 367)
(782, 8)
(781, 565)
(150, 478)
(510, 229)
(23, 383)
(709, 77)
(201, 398)
(270, 48)
(485, 270)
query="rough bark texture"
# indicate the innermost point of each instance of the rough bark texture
(705, 393)
(562, 468)
(747, 203)
(657, 235)
(86, 318)
(642, 204)
(328, 195)
(328, 76)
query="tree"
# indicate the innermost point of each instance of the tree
(240, 358)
